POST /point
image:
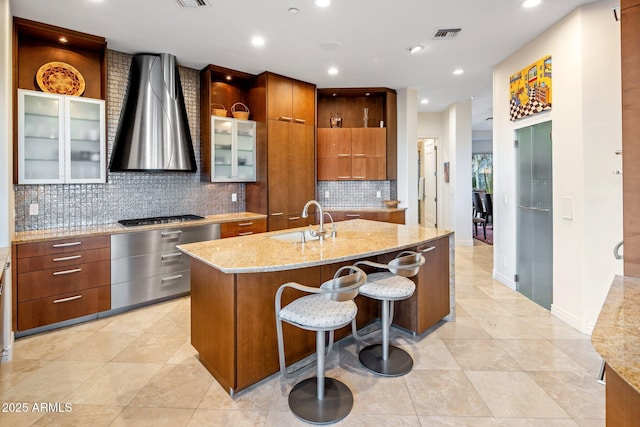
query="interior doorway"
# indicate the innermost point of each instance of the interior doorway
(428, 182)
(534, 229)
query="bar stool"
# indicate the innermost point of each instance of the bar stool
(320, 400)
(387, 287)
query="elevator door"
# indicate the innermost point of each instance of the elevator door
(534, 214)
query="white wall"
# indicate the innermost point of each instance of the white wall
(586, 117)
(408, 153)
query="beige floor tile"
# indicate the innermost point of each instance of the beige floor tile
(581, 351)
(285, 418)
(514, 394)
(18, 419)
(458, 422)
(256, 398)
(48, 345)
(227, 418)
(372, 420)
(538, 355)
(102, 346)
(552, 328)
(578, 393)
(175, 386)
(535, 422)
(481, 355)
(378, 395)
(444, 393)
(51, 382)
(16, 370)
(174, 322)
(469, 292)
(591, 423)
(480, 307)
(525, 308)
(115, 384)
(153, 417)
(507, 327)
(81, 415)
(433, 354)
(136, 322)
(462, 328)
(185, 354)
(151, 348)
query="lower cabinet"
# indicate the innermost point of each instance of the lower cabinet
(393, 216)
(242, 228)
(58, 280)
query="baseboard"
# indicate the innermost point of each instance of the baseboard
(571, 320)
(504, 280)
(7, 351)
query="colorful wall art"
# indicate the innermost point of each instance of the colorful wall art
(530, 90)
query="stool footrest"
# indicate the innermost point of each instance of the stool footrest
(398, 363)
(336, 404)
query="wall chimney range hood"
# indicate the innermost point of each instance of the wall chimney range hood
(153, 132)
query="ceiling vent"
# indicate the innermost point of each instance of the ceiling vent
(446, 33)
(192, 3)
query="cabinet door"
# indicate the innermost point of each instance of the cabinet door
(368, 148)
(85, 132)
(40, 138)
(301, 162)
(245, 165)
(222, 153)
(279, 98)
(278, 167)
(334, 154)
(304, 101)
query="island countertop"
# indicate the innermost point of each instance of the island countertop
(616, 335)
(355, 239)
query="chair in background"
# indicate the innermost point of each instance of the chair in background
(488, 207)
(387, 287)
(320, 400)
(479, 215)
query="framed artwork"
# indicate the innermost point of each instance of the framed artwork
(530, 89)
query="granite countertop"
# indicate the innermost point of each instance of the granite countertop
(59, 233)
(4, 257)
(356, 239)
(369, 209)
(616, 335)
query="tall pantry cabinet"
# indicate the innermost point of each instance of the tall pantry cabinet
(285, 150)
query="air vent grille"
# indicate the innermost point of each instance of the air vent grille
(446, 33)
(192, 3)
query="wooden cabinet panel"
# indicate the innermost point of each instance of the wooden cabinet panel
(301, 166)
(283, 222)
(63, 260)
(369, 141)
(334, 169)
(242, 228)
(333, 142)
(624, 4)
(290, 100)
(62, 246)
(622, 401)
(395, 217)
(351, 154)
(278, 166)
(45, 311)
(304, 101)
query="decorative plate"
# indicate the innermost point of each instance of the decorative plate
(60, 78)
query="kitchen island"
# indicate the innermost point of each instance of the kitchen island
(234, 282)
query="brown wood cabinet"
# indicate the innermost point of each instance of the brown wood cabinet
(285, 116)
(35, 44)
(355, 150)
(242, 228)
(395, 216)
(630, 42)
(61, 279)
(351, 154)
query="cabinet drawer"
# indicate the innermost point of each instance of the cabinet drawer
(63, 260)
(44, 311)
(150, 288)
(55, 281)
(283, 222)
(243, 228)
(62, 246)
(137, 267)
(154, 241)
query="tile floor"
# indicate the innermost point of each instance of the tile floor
(504, 362)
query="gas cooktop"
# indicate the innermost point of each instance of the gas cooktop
(158, 220)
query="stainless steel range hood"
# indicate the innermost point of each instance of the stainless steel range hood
(153, 132)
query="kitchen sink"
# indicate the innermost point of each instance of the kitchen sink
(294, 237)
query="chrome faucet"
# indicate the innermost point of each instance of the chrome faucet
(320, 232)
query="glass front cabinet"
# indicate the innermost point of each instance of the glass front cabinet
(61, 139)
(233, 154)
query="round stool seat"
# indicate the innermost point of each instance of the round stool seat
(387, 286)
(319, 312)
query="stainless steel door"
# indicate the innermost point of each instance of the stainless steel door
(535, 213)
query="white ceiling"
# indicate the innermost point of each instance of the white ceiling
(365, 39)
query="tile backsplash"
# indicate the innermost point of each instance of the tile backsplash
(128, 194)
(355, 194)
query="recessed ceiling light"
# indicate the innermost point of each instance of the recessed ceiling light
(322, 3)
(228, 77)
(458, 72)
(530, 3)
(294, 10)
(332, 71)
(257, 41)
(424, 101)
(415, 49)
(63, 40)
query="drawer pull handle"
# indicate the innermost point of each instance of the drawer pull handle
(285, 119)
(294, 218)
(429, 249)
(359, 155)
(344, 177)
(246, 233)
(170, 278)
(344, 155)
(168, 256)
(245, 224)
(301, 121)
(353, 215)
(60, 273)
(277, 213)
(359, 177)
(66, 245)
(170, 233)
(67, 299)
(67, 258)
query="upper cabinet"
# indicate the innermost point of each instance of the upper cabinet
(61, 139)
(365, 146)
(234, 150)
(220, 88)
(290, 100)
(55, 139)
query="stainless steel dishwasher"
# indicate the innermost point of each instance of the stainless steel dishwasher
(146, 266)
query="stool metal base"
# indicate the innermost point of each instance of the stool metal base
(336, 404)
(399, 361)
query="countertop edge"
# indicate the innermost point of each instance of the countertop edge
(34, 236)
